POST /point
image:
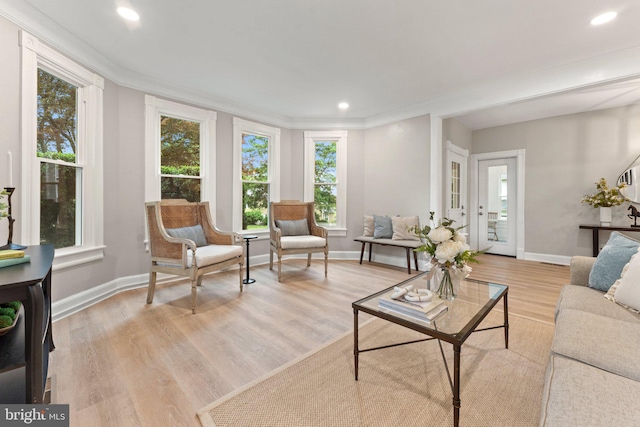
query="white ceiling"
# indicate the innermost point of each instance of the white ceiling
(297, 59)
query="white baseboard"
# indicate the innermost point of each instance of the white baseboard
(550, 259)
(77, 302)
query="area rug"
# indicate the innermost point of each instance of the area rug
(399, 386)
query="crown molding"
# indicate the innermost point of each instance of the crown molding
(615, 66)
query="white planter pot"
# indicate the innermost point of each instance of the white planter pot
(605, 216)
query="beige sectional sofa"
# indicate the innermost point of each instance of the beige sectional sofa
(593, 376)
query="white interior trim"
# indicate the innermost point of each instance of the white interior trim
(340, 137)
(473, 199)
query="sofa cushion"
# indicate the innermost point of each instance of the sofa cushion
(294, 227)
(195, 233)
(213, 254)
(401, 243)
(577, 394)
(382, 227)
(611, 260)
(402, 227)
(603, 342)
(592, 301)
(302, 242)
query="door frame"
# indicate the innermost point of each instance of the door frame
(519, 155)
(464, 177)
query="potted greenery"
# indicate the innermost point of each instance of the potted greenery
(605, 198)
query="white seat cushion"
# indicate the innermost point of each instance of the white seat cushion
(213, 254)
(302, 242)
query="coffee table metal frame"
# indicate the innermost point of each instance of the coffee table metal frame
(431, 329)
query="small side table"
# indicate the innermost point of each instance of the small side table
(246, 239)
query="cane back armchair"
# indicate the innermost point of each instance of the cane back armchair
(293, 230)
(184, 241)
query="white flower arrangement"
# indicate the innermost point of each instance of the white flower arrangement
(446, 244)
(449, 253)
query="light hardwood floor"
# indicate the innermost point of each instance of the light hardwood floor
(122, 362)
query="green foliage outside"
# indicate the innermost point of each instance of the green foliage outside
(57, 140)
(254, 217)
(325, 178)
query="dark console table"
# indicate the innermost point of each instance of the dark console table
(24, 351)
(596, 233)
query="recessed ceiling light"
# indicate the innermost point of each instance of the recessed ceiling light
(128, 14)
(604, 18)
(343, 105)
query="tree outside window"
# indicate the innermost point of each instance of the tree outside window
(60, 173)
(179, 159)
(325, 189)
(255, 181)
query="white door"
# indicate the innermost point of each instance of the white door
(456, 185)
(497, 204)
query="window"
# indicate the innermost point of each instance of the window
(326, 178)
(256, 163)
(181, 148)
(62, 154)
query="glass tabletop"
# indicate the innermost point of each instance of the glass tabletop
(474, 300)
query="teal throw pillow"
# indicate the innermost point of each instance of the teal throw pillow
(382, 227)
(611, 260)
(195, 233)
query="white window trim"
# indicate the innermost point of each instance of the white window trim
(90, 90)
(273, 133)
(310, 138)
(154, 108)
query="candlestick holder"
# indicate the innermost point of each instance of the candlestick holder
(10, 244)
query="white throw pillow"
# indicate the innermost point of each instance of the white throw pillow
(626, 290)
(402, 225)
(368, 225)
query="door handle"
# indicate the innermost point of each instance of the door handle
(462, 214)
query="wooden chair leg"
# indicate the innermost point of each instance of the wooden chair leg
(270, 259)
(279, 268)
(326, 263)
(240, 270)
(309, 259)
(152, 286)
(194, 288)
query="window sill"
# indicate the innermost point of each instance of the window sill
(71, 257)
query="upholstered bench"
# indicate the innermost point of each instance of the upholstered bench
(391, 231)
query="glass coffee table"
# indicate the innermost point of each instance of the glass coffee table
(474, 300)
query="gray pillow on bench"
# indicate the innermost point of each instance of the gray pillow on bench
(382, 228)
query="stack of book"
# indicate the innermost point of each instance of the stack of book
(425, 311)
(13, 257)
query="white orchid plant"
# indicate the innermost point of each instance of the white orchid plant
(447, 245)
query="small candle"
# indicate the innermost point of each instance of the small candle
(10, 169)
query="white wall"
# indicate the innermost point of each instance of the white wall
(565, 155)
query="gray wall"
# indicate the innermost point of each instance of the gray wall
(396, 178)
(388, 172)
(565, 155)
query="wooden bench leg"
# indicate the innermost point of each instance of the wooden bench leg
(408, 261)
(362, 252)
(370, 245)
(415, 259)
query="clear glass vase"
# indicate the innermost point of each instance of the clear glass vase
(445, 283)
